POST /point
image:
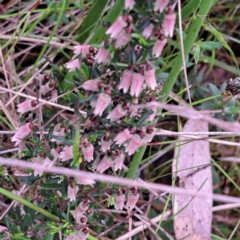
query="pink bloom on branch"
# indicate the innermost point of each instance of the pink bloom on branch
(22, 132)
(118, 161)
(158, 47)
(47, 87)
(82, 49)
(72, 192)
(105, 163)
(126, 80)
(122, 137)
(82, 207)
(160, 5)
(132, 199)
(119, 199)
(105, 143)
(134, 144)
(42, 163)
(129, 4)
(116, 27)
(122, 39)
(137, 84)
(26, 106)
(102, 103)
(149, 134)
(84, 181)
(150, 78)
(87, 150)
(92, 85)
(168, 24)
(148, 30)
(117, 113)
(67, 153)
(72, 66)
(103, 56)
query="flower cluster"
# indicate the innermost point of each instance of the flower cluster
(118, 92)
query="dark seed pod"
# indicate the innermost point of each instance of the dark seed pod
(233, 87)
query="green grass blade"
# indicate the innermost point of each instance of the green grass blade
(92, 19)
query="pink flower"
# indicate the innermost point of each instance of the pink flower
(122, 39)
(119, 199)
(150, 78)
(47, 87)
(160, 5)
(26, 106)
(72, 66)
(87, 150)
(116, 27)
(132, 199)
(134, 144)
(158, 47)
(122, 137)
(84, 181)
(102, 103)
(43, 163)
(149, 134)
(168, 24)
(126, 81)
(22, 132)
(117, 113)
(72, 192)
(73, 236)
(137, 84)
(81, 219)
(54, 95)
(148, 30)
(105, 163)
(118, 161)
(82, 234)
(82, 49)
(92, 85)
(82, 207)
(105, 143)
(129, 4)
(153, 105)
(67, 153)
(59, 132)
(103, 56)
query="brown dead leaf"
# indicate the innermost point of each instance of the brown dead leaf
(193, 172)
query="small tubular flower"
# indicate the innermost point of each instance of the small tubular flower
(84, 181)
(119, 199)
(132, 198)
(87, 150)
(47, 87)
(92, 85)
(105, 143)
(116, 27)
(103, 56)
(42, 163)
(122, 39)
(137, 84)
(122, 137)
(134, 144)
(72, 192)
(102, 103)
(82, 207)
(129, 4)
(73, 65)
(22, 132)
(147, 32)
(66, 154)
(158, 47)
(82, 49)
(118, 161)
(105, 163)
(117, 113)
(149, 134)
(160, 5)
(26, 106)
(168, 24)
(150, 78)
(126, 80)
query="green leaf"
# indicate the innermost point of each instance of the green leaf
(210, 45)
(92, 19)
(76, 147)
(50, 186)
